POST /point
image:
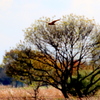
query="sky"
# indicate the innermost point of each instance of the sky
(17, 15)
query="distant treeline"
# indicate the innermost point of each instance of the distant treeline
(5, 80)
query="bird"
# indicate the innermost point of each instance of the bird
(53, 22)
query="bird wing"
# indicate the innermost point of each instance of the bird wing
(55, 21)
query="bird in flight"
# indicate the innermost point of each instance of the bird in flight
(53, 22)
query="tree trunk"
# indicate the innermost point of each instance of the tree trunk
(64, 92)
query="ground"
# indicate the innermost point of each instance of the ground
(27, 93)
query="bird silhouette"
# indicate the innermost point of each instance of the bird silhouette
(53, 22)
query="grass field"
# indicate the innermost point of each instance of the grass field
(27, 93)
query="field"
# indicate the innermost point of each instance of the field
(27, 93)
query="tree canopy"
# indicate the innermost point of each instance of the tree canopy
(60, 47)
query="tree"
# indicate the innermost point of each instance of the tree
(63, 44)
(95, 61)
(19, 64)
(62, 50)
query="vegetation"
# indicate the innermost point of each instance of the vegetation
(4, 79)
(62, 51)
(19, 64)
(96, 53)
(87, 85)
(27, 93)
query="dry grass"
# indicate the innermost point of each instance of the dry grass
(9, 93)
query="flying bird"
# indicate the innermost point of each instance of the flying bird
(53, 22)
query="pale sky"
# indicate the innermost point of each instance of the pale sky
(16, 15)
